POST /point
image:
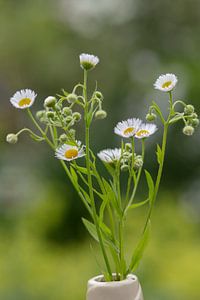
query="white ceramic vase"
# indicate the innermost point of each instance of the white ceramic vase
(128, 289)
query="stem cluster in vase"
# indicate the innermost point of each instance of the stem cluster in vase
(102, 196)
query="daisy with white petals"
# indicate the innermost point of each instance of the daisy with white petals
(146, 130)
(70, 152)
(166, 83)
(23, 99)
(128, 128)
(88, 61)
(110, 155)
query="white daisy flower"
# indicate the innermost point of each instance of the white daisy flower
(166, 83)
(110, 155)
(128, 128)
(70, 152)
(88, 61)
(146, 130)
(23, 99)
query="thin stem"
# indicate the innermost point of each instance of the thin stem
(87, 144)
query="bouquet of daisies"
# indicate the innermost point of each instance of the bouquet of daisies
(102, 196)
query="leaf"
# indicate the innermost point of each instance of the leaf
(159, 154)
(150, 184)
(86, 196)
(139, 250)
(135, 205)
(74, 175)
(91, 229)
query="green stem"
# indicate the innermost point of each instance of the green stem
(87, 144)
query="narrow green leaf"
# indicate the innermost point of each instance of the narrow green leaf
(91, 229)
(135, 205)
(150, 184)
(159, 154)
(139, 250)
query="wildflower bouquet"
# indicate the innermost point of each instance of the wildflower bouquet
(106, 204)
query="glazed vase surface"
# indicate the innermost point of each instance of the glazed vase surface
(128, 289)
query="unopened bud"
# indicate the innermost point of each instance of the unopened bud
(128, 146)
(189, 109)
(50, 101)
(11, 138)
(98, 95)
(63, 138)
(50, 114)
(71, 98)
(188, 130)
(67, 111)
(101, 114)
(138, 162)
(77, 116)
(58, 106)
(68, 119)
(72, 133)
(151, 117)
(124, 168)
(40, 114)
(195, 122)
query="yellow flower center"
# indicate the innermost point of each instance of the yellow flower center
(25, 101)
(166, 84)
(128, 130)
(142, 132)
(71, 153)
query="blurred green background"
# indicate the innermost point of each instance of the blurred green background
(44, 251)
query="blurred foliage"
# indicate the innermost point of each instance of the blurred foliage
(41, 232)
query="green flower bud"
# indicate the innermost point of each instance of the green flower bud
(63, 138)
(189, 109)
(12, 138)
(194, 122)
(188, 130)
(71, 98)
(101, 114)
(58, 106)
(151, 117)
(194, 116)
(50, 114)
(50, 101)
(98, 95)
(138, 162)
(124, 168)
(128, 146)
(67, 111)
(68, 119)
(77, 116)
(72, 133)
(40, 114)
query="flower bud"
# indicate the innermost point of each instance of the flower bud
(138, 162)
(194, 115)
(77, 116)
(72, 133)
(50, 114)
(50, 101)
(67, 111)
(151, 117)
(68, 119)
(98, 95)
(124, 168)
(189, 109)
(12, 138)
(188, 130)
(40, 114)
(101, 114)
(195, 122)
(71, 98)
(63, 138)
(58, 106)
(128, 146)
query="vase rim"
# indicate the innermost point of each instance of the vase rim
(97, 280)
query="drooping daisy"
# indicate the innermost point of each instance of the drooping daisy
(23, 99)
(110, 155)
(70, 152)
(88, 61)
(128, 128)
(166, 83)
(145, 130)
